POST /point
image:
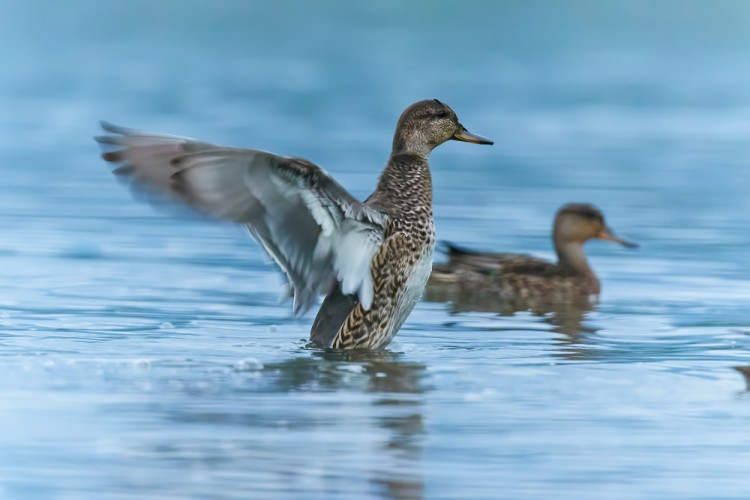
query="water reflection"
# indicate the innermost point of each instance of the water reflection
(565, 317)
(398, 386)
(464, 299)
(569, 322)
(341, 417)
(378, 372)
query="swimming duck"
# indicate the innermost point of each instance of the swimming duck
(370, 259)
(521, 282)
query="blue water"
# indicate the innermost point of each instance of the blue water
(144, 353)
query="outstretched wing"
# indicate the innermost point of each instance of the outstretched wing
(315, 230)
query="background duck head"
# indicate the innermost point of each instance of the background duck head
(575, 224)
(425, 125)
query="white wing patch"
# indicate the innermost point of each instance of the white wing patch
(355, 247)
(348, 243)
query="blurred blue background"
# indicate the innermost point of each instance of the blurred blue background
(147, 354)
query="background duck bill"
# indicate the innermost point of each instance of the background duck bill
(608, 235)
(466, 136)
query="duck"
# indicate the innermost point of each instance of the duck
(370, 260)
(510, 282)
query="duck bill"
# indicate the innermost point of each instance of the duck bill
(609, 235)
(466, 136)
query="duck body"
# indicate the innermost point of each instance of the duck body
(369, 259)
(506, 282)
(509, 282)
(400, 268)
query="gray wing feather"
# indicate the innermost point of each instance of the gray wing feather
(307, 222)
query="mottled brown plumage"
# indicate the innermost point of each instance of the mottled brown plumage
(371, 260)
(510, 282)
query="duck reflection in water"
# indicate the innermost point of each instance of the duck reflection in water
(350, 419)
(396, 407)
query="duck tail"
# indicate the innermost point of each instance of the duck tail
(452, 250)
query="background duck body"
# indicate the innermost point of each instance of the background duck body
(507, 282)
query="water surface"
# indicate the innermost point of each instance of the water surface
(145, 353)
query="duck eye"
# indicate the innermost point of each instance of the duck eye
(442, 114)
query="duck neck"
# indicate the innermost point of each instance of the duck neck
(406, 181)
(572, 259)
(404, 144)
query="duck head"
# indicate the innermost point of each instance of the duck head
(425, 125)
(580, 222)
(575, 224)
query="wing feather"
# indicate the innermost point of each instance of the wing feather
(307, 222)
